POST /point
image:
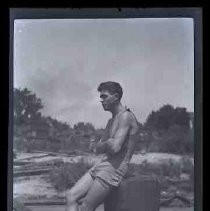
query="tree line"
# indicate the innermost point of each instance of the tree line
(167, 129)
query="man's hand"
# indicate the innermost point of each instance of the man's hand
(105, 147)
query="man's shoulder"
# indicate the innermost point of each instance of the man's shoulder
(127, 117)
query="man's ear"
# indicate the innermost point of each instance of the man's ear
(117, 96)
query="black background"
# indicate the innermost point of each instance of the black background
(76, 4)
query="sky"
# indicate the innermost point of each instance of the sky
(64, 60)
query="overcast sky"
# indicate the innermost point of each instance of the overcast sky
(64, 60)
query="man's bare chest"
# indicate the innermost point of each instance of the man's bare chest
(112, 127)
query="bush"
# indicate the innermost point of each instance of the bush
(67, 174)
(75, 143)
(188, 168)
(186, 186)
(165, 169)
(187, 164)
(177, 139)
(43, 145)
(171, 169)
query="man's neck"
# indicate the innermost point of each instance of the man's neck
(118, 108)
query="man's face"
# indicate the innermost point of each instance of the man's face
(108, 100)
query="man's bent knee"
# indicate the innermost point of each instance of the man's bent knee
(70, 197)
(86, 206)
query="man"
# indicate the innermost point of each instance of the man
(117, 145)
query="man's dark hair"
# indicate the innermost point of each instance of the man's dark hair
(112, 87)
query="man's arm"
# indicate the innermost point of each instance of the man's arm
(114, 144)
(100, 147)
(131, 146)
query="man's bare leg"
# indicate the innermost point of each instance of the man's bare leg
(78, 191)
(95, 196)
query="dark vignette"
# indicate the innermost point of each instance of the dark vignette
(193, 12)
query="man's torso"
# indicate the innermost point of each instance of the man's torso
(110, 131)
(113, 124)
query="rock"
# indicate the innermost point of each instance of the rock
(134, 194)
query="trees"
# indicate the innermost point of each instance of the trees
(30, 124)
(167, 129)
(57, 125)
(171, 129)
(27, 106)
(85, 128)
(168, 116)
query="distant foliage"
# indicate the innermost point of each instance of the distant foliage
(26, 106)
(57, 125)
(166, 117)
(165, 130)
(170, 130)
(86, 129)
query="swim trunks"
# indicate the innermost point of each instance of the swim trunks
(107, 175)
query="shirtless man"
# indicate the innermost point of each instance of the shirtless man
(117, 145)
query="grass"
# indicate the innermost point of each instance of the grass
(66, 175)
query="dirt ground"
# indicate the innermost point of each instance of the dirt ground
(137, 158)
(37, 187)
